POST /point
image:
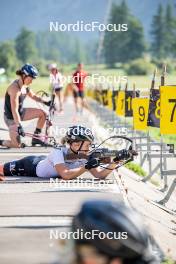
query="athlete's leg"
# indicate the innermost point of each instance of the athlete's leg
(23, 167)
(14, 141)
(2, 178)
(32, 113)
(59, 94)
(85, 104)
(75, 97)
(82, 100)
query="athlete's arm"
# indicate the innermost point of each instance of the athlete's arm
(33, 96)
(14, 101)
(103, 173)
(69, 174)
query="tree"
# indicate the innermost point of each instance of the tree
(136, 43)
(60, 46)
(25, 46)
(170, 31)
(123, 46)
(79, 52)
(110, 39)
(174, 40)
(158, 34)
(8, 58)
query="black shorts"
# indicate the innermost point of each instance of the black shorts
(78, 94)
(23, 167)
(58, 89)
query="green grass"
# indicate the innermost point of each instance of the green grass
(41, 83)
(169, 261)
(155, 182)
(139, 171)
(141, 82)
(155, 133)
(136, 168)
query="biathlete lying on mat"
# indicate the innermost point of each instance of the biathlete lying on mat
(56, 164)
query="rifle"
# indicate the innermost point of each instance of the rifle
(48, 141)
(153, 80)
(163, 75)
(126, 86)
(49, 117)
(106, 155)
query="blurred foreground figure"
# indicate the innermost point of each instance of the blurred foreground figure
(110, 233)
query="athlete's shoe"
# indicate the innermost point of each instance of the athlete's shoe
(36, 141)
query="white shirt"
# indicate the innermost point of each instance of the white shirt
(46, 168)
(56, 80)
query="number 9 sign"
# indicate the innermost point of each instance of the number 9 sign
(140, 113)
(168, 110)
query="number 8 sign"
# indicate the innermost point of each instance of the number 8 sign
(140, 113)
(168, 110)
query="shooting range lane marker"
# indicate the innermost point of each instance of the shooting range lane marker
(143, 158)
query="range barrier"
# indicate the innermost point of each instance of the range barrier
(137, 113)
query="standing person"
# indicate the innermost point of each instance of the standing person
(78, 86)
(56, 81)
(15, 113)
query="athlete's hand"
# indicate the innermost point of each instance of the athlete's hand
(20, 130)
(122, 155)
(92, 163)
(47, 103)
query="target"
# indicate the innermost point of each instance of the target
(154, 109)
(168, 110)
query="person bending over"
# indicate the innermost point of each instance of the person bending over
(14, 112)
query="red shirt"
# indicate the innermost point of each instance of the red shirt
(78, 79)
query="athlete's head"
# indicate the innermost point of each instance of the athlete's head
(53, 68)
(111, 233)
(80, 66)
(79, 138)
(27, 73)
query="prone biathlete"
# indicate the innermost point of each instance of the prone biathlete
(15, 113)
(56, 164)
